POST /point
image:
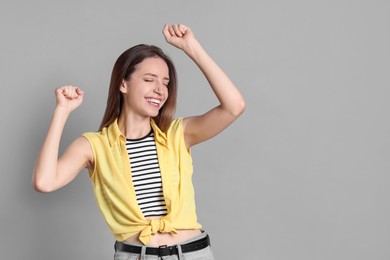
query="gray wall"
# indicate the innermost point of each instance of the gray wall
(303, 174)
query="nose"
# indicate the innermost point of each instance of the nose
(157, 88)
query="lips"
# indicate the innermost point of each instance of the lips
(154, 101)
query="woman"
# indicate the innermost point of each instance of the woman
(139, 160)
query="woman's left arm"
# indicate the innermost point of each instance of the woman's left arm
(200, 128)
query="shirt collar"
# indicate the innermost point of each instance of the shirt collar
(160, 136)
(114, 133)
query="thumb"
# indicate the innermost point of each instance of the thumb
(79, 92)
(165, 31)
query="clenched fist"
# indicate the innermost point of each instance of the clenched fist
(69, 97)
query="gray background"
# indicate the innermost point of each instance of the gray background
(303, 174)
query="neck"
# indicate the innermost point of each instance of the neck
(134, 126)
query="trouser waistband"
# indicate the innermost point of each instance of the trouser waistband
(165, 250)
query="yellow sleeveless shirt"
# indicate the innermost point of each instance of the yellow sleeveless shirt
(114, 191)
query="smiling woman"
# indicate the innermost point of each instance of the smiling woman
(146, 83)
(151, 65)
(139, 161)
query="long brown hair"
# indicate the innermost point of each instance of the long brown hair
(123, 68)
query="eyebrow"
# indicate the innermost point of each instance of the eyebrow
(154, 75)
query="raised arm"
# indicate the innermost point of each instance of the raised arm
(51, 173)
(231, 103)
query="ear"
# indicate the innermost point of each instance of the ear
(123, 87)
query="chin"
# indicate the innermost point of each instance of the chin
(154, 114)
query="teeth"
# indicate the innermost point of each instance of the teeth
(153, 100)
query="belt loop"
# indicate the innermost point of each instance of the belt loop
(143, 253)
(179, 252)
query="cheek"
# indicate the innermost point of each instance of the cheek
(166, 93)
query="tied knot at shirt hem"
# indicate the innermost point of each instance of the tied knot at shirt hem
(154, 226)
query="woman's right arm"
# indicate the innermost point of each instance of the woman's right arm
(51, 172)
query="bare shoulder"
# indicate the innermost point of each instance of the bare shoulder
(191, 135)
(80, 148)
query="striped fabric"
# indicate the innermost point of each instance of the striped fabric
(146, 175)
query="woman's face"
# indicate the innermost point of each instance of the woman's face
(147, 88)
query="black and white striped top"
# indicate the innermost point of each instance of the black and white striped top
(146, 175)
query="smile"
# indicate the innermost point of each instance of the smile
(153, 101)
